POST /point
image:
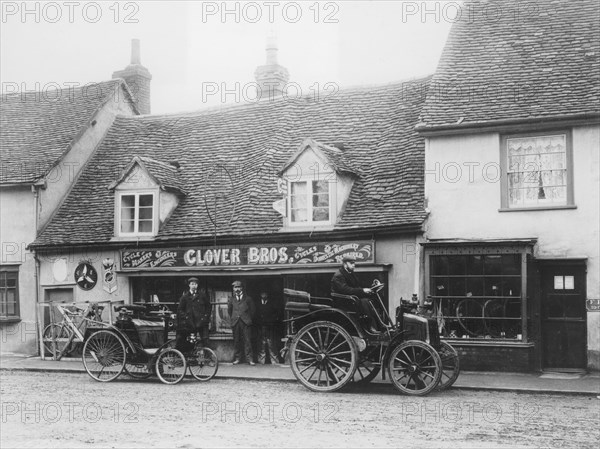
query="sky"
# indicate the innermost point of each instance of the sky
(204, 53)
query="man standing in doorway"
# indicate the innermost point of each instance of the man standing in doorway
(267, 318)
(241, 311)
(193, 316)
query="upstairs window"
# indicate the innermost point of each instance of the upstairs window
(137, 214)
(538, 169)
(310, 202)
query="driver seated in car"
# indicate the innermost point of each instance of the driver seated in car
(345, 282)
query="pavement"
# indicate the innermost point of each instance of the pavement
(543, 383)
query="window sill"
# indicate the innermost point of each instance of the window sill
(527, 209)
(134, 238)
(11, 319)
(314, 228)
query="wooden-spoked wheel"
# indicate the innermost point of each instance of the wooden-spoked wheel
(323, 356)
(367, 369)
(415, 368)
(104, 355)
(171, 366)
(450, 365)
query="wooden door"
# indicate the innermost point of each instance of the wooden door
(563, 316)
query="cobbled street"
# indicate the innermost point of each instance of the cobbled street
(72, 410)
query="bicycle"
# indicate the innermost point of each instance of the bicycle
(61, 338)
(494, 318)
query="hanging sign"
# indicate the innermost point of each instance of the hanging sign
(248, 255)
(109, 276)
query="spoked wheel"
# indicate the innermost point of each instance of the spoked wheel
(323, 356)
(365, 372)
(450, 365)
(56, 337)
(367, 369)
(137, 370)
(415, 368)
(104, 355)
(203, 363)
(170, 366)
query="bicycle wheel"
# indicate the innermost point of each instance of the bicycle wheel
(469, 313)
(203, 363)
(493, 312)
(170, 366)
(56, 338)
(104, 356)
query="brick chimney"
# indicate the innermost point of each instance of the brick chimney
(137, 78)
(271, 77)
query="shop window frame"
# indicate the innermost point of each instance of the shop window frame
(4, 315)
(446, 305)
(506, 206)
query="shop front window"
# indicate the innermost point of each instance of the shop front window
(477, 295)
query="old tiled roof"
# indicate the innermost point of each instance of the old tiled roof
(230, 157)
(166, 175)
(508, 60)
(38, 128)
(335, 158)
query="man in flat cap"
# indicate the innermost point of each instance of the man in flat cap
(241, 311)
(193, 316)
(345, 282)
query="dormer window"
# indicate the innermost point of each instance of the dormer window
(317, 181)
(309, 202)
(146, 194)
(136, 213)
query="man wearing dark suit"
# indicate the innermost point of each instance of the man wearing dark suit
(241, 312)
(267, 318)
(193, 316)
(345, 282)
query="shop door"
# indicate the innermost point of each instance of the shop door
(564, 330)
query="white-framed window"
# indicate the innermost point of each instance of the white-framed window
(538, 171)
(136, 213)
(310, 202)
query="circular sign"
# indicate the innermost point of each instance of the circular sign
(86, 276)
(59, 270)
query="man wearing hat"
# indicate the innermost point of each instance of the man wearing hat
(241, 311)
(193, 315)
(345, 282)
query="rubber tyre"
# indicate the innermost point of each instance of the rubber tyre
(323, 356)
(104, 356)
(170, 366)
(450, 365)
(415, 368)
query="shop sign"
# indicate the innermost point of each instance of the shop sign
(247, 255)
(592, 305)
